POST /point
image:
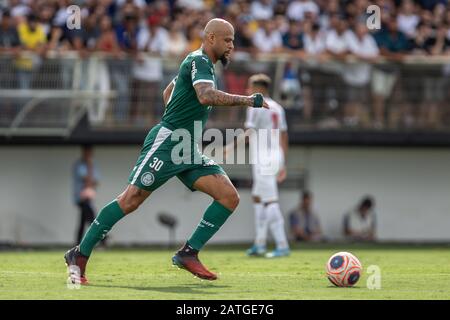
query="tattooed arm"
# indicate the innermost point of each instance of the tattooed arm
(209, 96)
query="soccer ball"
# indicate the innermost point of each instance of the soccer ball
(343, 269)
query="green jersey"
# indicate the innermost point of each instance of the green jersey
(183, 107)
(156, 163)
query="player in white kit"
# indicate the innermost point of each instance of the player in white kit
(268, 168)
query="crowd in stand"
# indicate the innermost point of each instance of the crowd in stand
(323, 30)
(174, 27)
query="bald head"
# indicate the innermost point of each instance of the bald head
(218, 27)
(218, 40)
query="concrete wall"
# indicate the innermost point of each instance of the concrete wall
(411, 188)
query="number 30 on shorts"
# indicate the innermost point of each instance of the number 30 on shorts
(156, 164)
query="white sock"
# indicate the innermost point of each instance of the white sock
(276, 224)
(261, 224)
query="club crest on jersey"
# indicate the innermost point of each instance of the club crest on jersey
(147, 179)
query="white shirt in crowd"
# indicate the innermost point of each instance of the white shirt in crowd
(138, 3)
(297, 9)
(358, 73)
(261, 11)
(407, 24)
(314, 45)
(154, 43)
(336, 43)
(267, 42)
(20, 10)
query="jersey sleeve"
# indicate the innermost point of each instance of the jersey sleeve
(201, 71)
(251, 118)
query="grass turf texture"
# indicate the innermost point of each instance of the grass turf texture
(408, 272)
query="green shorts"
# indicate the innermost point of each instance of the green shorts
(156, 164)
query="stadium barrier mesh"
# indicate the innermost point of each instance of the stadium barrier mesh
(49, 96)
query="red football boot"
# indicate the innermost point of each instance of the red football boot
(76, 262)
(191, 263)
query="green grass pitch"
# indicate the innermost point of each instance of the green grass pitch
(412, 272)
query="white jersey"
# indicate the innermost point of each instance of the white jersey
(262, 118)
(266, 161)
(264, 121)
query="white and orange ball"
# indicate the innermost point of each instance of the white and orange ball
(343, 269)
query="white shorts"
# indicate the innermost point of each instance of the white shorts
(265, 186)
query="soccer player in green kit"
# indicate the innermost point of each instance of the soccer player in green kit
(188, 98)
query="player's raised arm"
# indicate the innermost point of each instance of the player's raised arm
(209, 96)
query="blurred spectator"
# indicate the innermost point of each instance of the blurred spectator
(106, 43)
(293, 38)
(331, 8)
(85, 38)
(331, 62)
(336, 38)
(281, 23)
(359, 223)
(195, 35)
(314, 50)
(357, 75)
(19, 10)
(33, 39)
(139, 4)
(154, 38)
(243, 37)
(262, 9)
(176, 42)
(280, 7)
(441, 43)
(334, 93)
(297, 9)
(148, 70)
(107, 40)
(393, 45)
(314, 41)
(392, 42)
(191, 4)
(268, 39)
(62, 14)
(304, 221)
(423, 40)
(9, 44)
(9, 38)
(127, 33)
(407, 19)
(85, 181)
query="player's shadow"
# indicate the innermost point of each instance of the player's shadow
(194, 288)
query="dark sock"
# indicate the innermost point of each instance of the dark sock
(214, 217)
(105, 220)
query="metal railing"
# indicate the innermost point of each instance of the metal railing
(49, 96)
